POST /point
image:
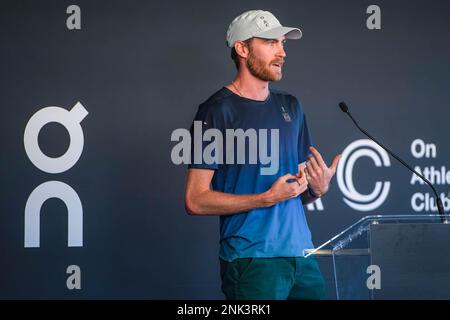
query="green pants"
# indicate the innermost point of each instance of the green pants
(272, 279)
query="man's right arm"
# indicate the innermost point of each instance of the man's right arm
(201, 200)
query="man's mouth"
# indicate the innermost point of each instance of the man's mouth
(278, 65)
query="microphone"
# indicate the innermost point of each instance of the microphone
(439, 205)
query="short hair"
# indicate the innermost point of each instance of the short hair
(234, 54)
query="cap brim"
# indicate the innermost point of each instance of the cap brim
(289, 33)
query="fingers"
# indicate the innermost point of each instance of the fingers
(318, 156)
(300, 174)
(292, 181)
(307, 174)
(300, 187)
(303, 184)
(313, 163)
(301, 170)
(301, 178)
(292, 188)
(335, 162)
(302, 166)
(287, 176)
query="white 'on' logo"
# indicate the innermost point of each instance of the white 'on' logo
(354, 151)
(54, 189)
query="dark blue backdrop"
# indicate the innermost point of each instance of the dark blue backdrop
(141, 69)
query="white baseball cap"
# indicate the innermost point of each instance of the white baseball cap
(261, 24)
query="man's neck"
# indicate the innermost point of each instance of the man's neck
(248, 86)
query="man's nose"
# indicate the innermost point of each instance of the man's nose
(281, 53)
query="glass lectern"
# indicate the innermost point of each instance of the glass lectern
(389, 257)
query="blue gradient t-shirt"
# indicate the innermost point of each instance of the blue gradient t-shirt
(277, 231)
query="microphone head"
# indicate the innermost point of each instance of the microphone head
(343, 107)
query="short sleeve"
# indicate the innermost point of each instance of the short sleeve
(304, 138)
(207, 117)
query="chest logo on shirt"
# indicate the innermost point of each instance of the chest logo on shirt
(286, 115)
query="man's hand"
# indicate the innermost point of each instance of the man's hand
(282, 189)
(318, 174)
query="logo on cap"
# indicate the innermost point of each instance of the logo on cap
(265, 21)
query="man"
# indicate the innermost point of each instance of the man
(263, 229)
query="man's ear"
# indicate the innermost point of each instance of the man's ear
(241, 49)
